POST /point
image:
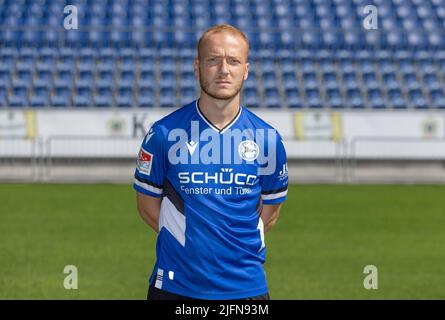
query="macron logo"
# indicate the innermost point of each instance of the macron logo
(192, 146)
(150, 133)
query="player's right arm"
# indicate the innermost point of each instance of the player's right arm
(149, 208)
(149, 176)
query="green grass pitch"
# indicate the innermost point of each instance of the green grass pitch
(325, 236)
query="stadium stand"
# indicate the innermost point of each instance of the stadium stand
(305, 54)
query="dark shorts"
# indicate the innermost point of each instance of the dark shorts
(158, 294)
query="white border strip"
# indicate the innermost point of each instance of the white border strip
(147, 187)
(274, 195)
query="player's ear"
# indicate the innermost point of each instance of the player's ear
(196, 68)
(246, 73)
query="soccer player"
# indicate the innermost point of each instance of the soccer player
(210, 179)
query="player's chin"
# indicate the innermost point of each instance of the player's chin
(225, 94)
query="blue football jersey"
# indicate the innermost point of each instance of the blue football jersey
(213, 183)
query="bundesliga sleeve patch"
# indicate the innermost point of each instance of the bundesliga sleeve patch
(145, 160)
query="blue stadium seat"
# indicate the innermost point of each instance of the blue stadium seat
(127, 78)
(27, 54)
(327, 67)
(251, 98)
(346, 66)
(269, 80)
(24, 66)
(287, 65)
(86, 66)
(63, 78)
(61, 97)
(350, 81)
(334, 99)
(390, 79)
(354, 99)
(120, 38)
(396, 98)
(293, 98)
(431, 82)
(43, 78)
(124, 97)
(127, 57)
(376, 99)
(330, 81)
(252, 82)
(370, 81)
(103, 97)
(352, 38)
(187, 95)
(251, 101)
(167, 65)
(166, 53)
(269, 39)
(168, 80)
(417, 99)
(167, 98)
(104, 79)
(310, 81)
(272, 98)
(24, 83)
(147, 63)
(442, 66)
(11, 37)
(45, 66)
(307, 67)
(146, 97)
(83, 97)
(3, 97)
(18, 97)
(367, 67)
(314, 99)
(8, 55)
(186, 65)
(5, 78)
(50, 37)
(40, 97)
(438, 99)
(187, 80)
(267, 65)
(87, 56)
(289, 80)
(182, 38)
(107, 54)
(147, 79)
(85, 79)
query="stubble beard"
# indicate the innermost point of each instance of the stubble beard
(205, 87)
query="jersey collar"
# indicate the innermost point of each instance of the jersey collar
(211, 125)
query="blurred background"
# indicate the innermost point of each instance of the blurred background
(355, 87)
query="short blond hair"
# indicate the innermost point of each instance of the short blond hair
(222, 28)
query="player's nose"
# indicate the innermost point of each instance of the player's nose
(223, 67)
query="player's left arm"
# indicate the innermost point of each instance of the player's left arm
(274, 187)
(269, 215)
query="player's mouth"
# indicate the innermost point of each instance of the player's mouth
(223, 82)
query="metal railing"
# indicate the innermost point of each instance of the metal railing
(352, 155)
(19, 159)
(102, 159)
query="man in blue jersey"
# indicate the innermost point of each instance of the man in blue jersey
(210, 179)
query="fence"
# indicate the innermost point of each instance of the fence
(105, 159)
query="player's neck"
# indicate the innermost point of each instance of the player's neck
(219, 112)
